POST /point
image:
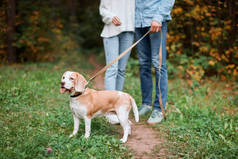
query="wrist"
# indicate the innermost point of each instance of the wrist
(158, 19)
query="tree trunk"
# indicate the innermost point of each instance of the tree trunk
(72, 10)
(11, 21)
(232, 7)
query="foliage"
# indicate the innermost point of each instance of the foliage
(3, 30)
(45, 30)
(132, 68)
(203, 33)
(91, 27)
(205, 30)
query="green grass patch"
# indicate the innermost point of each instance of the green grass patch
(35, 116)
(202, 120)
(199, 122)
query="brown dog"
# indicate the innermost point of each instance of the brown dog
(88, 103)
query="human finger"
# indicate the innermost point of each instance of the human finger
(158, 28)
(118, 20)
(152, 29)
(115, 22)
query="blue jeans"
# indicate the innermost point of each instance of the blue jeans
(114, 46)
(148, 53)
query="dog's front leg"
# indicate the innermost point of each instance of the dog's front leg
(87, 127)
(76, 126)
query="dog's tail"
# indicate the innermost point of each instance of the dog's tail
(135, 109)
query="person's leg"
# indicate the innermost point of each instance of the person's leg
(155, 38)
(155, 46)
(111, 46)
(144, 54)
(125, 41)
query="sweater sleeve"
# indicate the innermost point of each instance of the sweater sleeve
(164, 9)
(105, 12)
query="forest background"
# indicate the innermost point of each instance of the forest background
(202, 37)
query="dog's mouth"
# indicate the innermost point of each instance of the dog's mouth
(63, 90)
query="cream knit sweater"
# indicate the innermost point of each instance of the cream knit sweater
(123, 9)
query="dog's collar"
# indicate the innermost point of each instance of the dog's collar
(76, 94)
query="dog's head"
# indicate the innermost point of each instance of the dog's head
(72, 82)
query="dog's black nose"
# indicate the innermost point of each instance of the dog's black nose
(62, 83)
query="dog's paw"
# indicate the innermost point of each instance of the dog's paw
(71, 135)
(86, 136)
(123, 140)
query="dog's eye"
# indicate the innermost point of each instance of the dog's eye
(63, 77)
(71, 78)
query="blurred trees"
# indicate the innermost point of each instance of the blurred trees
(205, 32)
(11, 21)
(202, 37)
(43, 30)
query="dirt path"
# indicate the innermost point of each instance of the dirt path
(145, 142)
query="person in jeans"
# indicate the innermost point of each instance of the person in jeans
(118, 35)
(152, 15)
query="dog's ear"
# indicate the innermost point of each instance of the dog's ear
(80, 83)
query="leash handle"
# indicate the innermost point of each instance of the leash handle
(116, 59)
(160, 65)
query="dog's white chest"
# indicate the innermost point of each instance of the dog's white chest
(78, 109)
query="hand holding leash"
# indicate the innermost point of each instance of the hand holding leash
(155, 27)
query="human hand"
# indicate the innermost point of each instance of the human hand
(155, 26)
(116, 21)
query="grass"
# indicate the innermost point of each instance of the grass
(202, 121)
(35, 116)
